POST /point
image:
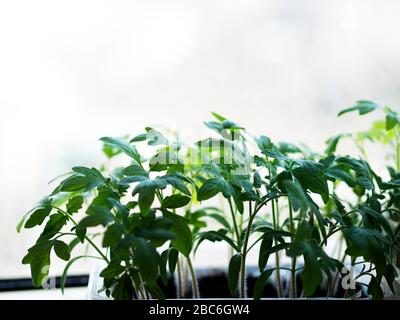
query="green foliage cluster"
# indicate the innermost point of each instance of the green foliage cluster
(154, 213)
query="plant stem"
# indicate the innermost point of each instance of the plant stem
(143, 289)
(278, 272)
(179, 291)
(97, 249)
(293, 293)
(195, 288)
(234, 222)
(397, 151)
(86, 237)
(243, 293)
(185, 274)
(333, 285)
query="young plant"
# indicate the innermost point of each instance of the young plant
(384, 196)
(282, 197)
(134, 224)
(243, 186)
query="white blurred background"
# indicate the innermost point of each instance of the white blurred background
(73, 71)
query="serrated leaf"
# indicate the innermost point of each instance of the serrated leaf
(134, 170)
(113, 270)
(212, 187)
(74, 204)
(213, 236)
(296, 192)
(146, 190)
(340, 174)
(148, 260)
(74, 183)
(62, 250)
(98, 216)
(392, 184)
(122, 145)
(366, 243)
(309, 174)
(38, 257)
(55, 223)
(124, 288)
(177, 183)
(209, 189)
(175, 201)
(37, 217)
(183, 241)
(112, 235)
(146, 198)
(374, 220)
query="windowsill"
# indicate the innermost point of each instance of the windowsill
(78, 293)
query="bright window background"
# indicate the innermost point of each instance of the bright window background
(71, 72)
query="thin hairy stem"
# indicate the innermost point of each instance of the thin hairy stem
(234, 223)
(195, 287)
(293, 289)
(277, 262)
(86, 237)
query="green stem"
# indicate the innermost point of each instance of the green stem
(397, 151)
(159, 196)
(333, 284)
(243, 292)
(61, 234)
(185, 274)
(179, 291)
(234, 222)
(86, 237)
(293, 293)
(195, 287)
(143, 289)
(278, 272)
(97, 249)
(332, 233)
